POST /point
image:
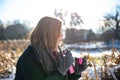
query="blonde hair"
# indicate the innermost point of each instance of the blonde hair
(46, 32)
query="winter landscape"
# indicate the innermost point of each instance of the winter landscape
(91, 28)
(98, 65)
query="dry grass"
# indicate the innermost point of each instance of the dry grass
(10, 51)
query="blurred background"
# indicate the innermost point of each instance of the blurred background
(90, 27)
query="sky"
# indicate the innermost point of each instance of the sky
(32, 10)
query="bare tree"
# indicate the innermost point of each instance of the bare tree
(112, 20)
(61, 14)
(16, 31)
(75, 19)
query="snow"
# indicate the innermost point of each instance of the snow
(11, 77)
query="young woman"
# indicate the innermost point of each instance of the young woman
(42, 59)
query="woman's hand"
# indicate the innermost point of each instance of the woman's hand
(80, 65)
(65, 61)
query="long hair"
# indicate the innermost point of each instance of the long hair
(46, 32)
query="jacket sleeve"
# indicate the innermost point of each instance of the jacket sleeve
(37, 73)
(55, 75)
(73, 76)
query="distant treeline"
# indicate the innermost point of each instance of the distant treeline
(13, 31)
(82, 35)
(72, 35)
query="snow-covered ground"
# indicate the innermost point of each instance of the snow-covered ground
(11, 77)
(94, 49)
(95, 45)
